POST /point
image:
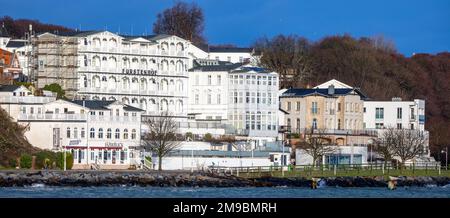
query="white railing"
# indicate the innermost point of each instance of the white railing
(122, 119)
(81, 117)
(26, 99)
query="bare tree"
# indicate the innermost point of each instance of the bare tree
(183, 20)
(408, 144)
(316, 143)
(161, 137)
(287, 55)
(384, 144)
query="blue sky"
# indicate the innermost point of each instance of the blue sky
(413, 25)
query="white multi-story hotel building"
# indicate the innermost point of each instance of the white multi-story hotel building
(149, 72)
(242, 96)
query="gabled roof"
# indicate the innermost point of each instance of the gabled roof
(249, 68)
(131, 108)
(335, 83)
(220, 66)
(72, 33)
(16, 43)
(230, 50)
(102, 105)
(322, 92)
(94, 104)
(8, 88)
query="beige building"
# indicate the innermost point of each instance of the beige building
(333, 106)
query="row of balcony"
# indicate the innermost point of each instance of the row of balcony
(132, 91)
(133, 51)
(119, 70)
(76, 117)
(360, 132)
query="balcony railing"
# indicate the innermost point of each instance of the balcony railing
(26, 99)
(359, 132)
(50, 117)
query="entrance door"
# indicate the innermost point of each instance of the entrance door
(114, 153)
(79, 156)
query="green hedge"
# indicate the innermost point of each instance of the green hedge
(45, 159)
(25, 161)
(60, 160)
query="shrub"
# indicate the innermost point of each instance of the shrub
(54, 87)
(60, 160)
(13, 163)
(189, 135)
(208, 137)
(295, 136)
(44, 159)
(25, 161)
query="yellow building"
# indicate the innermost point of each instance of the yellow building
(332, 106)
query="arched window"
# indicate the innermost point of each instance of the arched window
(143, 84)
(113, 42)
(96, 62)
(112, 62)
(125, 83)
(314, 123)
(117, 134)
(180, 47)
(92, 133)
(135, 63)
(85, 60)
(108, 133)
(100, 133)
(126, 63)
(68, 132)
(125, 134)
(112, 83)
(96, 42)
(164, 105)
(133, 134)
(179, 106)
(85, 82)
(96, 82)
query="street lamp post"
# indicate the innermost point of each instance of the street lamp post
(370, 141)
(446, 157)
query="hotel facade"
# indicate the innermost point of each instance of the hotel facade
(148, 72)
(243, 97)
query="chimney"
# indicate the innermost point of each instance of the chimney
(331, 89)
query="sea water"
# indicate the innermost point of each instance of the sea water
(42, 191)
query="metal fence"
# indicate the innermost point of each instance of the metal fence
(330, 170)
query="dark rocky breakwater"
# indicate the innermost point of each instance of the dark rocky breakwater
(187, 179)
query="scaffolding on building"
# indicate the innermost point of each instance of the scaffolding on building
(54, 59)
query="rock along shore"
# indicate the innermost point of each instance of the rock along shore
(187, 179)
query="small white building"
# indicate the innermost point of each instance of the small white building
(342, 155)
(396, 113)
(199, 155)
(100, 133)
(13, 97)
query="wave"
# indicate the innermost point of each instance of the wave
(37, 185)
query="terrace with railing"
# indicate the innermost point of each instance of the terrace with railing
(26, 99)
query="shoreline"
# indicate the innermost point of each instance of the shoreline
(19, 178)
